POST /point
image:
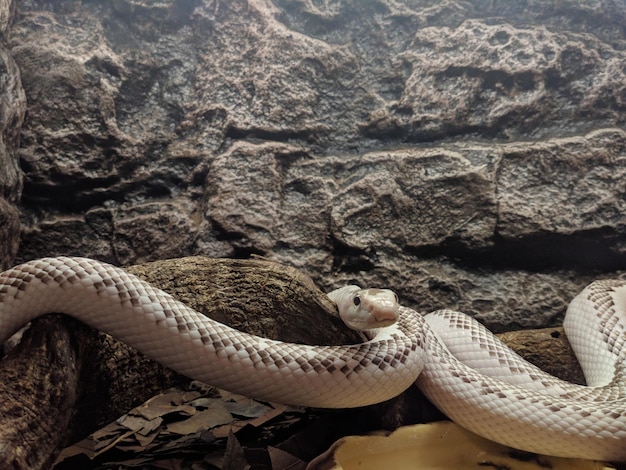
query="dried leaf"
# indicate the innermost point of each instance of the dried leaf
(253, 409)
(155, 410)
(145, 441)
(234, 456)
(282, 460)
(84, 447)
(168, 430)
(139, 424)
(213, 416)
(237, 426)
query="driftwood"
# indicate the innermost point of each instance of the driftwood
(38, 393)
(65, 380)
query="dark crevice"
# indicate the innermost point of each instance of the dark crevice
(590, 251)
(350, 259)
(49, 186)
(593, 250)
(245, 252)
(277, 135)
(228, 236)
(239, 242)
(74, 196)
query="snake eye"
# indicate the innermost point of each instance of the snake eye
(356, 300)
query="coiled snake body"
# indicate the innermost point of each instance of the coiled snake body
(467, 372)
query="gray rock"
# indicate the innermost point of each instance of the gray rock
(470, 156)
(7, 13)
(563, 187)
(12, 110)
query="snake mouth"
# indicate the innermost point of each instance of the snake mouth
(389, 315)
(383, 323)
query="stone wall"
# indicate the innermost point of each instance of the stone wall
(12, 110)
(470, 155)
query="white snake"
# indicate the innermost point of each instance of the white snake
(509, 400)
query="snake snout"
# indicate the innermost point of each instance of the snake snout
(385, 314)
(382, 306)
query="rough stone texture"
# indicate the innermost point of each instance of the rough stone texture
(12, 110)
(7, 11)
(468, 154)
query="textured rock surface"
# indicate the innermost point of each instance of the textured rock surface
(12, 110)
(470, 155)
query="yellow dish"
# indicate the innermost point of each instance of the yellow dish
(436, 446)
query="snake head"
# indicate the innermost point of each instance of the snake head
(366, 309)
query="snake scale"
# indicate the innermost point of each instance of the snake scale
(460, 366)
